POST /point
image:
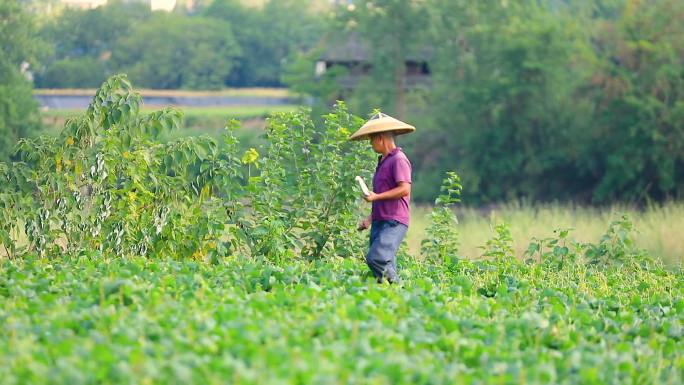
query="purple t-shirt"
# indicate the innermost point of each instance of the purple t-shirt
(390, 171)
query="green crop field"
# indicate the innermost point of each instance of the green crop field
(136, 320)
(132, 257)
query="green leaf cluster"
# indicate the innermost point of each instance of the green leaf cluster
(108, 183)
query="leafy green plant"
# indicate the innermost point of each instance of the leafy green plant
(108, 183)
(501, 245)
(109, 283)
(557, 250)
(441, 240)
(302, 198)
(614, 247)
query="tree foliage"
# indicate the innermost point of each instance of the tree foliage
(222, 44)
(18, 110)
(540, 100)
(270, 37)
(107, 183)
(390, 33)
(503, 97)
(83, 42)
(170, 51)
(636, 149)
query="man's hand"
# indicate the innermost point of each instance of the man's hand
(364, 224)
(371, 197)
(403, 189)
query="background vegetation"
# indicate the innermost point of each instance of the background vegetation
(223, 43)
(18, 111)
(545, 100)
(552, 100)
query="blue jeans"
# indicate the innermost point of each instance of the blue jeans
(385, 238)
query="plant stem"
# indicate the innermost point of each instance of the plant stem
(7, 252)
(319, 246)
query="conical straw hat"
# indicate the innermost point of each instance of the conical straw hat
(382, 123)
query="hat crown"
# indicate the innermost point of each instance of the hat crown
(382, 123)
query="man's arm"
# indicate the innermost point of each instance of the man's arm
(402, 190)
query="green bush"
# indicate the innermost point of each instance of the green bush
(107, 183)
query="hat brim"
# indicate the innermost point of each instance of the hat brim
(382, 123)
(358, 135)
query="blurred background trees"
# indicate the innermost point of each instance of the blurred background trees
(270, 36)
(542, 100)
(18, 111)
(171, 52)
(539, 100)
(82, 43)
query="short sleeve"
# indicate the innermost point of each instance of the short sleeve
(402, 170)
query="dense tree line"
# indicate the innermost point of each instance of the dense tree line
(528, 99)
(540, 100)
(222, 44)
(18, 110)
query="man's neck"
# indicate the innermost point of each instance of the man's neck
(388, 150)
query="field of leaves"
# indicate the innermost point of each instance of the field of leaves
(96, 319)
(173, 262)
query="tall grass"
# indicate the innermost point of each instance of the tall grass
(659, 227)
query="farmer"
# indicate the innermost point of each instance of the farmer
(390, 197)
